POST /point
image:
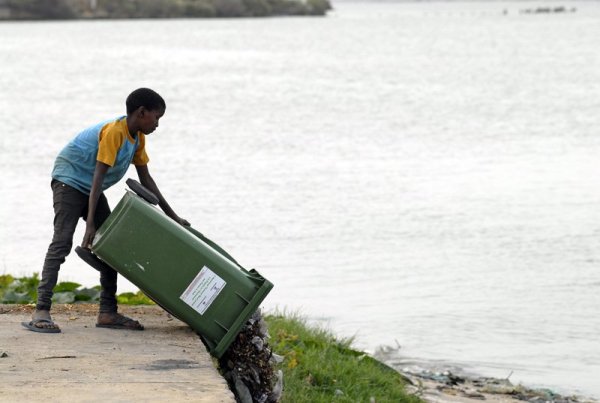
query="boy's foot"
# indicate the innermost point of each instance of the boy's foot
(41, 322)
(117, 321)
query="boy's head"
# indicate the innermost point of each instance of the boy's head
(144, 108)
(147, 98)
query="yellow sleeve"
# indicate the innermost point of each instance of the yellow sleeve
(140, 157)
(110, 141)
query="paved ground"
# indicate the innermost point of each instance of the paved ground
(167, 362)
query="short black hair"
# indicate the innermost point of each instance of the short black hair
(145, 97)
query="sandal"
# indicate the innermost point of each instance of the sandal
(52, 328)
(121, 322)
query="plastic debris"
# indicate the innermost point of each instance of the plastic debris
(451, 384)
(248, 365)
(276, 358)
(242, 391)
(278, 388)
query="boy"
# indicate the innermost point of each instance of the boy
(94, 160)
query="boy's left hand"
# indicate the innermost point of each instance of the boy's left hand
(181, 221)
(88, 237)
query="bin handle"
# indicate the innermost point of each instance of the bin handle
(142, 191)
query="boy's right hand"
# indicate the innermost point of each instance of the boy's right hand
(88, 238)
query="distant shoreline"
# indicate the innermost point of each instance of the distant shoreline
(42, 10)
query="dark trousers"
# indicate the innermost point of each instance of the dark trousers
(69, 206)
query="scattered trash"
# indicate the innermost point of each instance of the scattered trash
(248, 364)
(277, 358)
(451, 384)
(3, 354)
(446, 377)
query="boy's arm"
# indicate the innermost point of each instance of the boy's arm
(90, 226)
(148, 182)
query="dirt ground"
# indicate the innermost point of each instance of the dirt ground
(165, 362)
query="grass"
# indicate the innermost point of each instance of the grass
(319, 368)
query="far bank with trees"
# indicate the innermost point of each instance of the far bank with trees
(104, 9)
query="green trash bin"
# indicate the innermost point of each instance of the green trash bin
(188, 275)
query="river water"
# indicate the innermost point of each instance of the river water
(416, 173)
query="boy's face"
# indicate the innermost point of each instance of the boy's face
(148, 119)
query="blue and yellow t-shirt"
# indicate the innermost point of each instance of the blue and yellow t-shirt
(109, 142)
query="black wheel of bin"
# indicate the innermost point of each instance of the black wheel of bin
(87, 256)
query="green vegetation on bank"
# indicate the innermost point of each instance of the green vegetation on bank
(23, 290)
(319, 368)
(316, 366)
(92, 9)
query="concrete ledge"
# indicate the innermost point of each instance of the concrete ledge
(165, 362)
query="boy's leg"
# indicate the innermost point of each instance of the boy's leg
(69, 204)
(108, 277)
(108, 316)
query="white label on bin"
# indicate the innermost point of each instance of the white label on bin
(203, 290)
